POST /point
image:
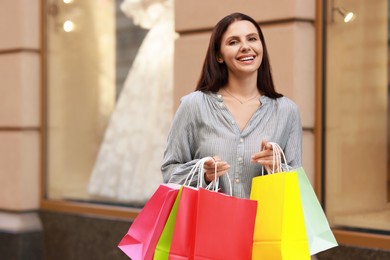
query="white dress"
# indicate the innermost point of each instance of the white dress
(127, 168)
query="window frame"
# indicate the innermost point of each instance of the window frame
(343, 236)
(56, 205)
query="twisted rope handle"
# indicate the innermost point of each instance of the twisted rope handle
(216, 181)
(197, 168)
(277, 154)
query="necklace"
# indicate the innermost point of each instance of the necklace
(241, 102)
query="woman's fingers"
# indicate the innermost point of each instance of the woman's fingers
(266, 157)
(265, 145)
(221, 167)
(210, 165)
(262, 154)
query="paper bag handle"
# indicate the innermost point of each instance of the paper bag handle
(216, 181)
(277, 154)
(197, 168)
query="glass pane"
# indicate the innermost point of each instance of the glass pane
(357, 116)
(94, 63)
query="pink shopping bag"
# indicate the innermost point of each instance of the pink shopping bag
(139, 243)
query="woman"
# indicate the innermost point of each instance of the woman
(232, 114)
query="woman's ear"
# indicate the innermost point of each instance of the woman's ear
(219, 58)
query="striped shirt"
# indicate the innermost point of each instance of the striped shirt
(203, 126)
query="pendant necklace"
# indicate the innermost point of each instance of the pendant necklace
(241, 102)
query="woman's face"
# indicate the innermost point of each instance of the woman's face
(241, 48)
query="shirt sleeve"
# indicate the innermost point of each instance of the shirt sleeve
(179, 155)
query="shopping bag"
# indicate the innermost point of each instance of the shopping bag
(319, 234)
(183, 237)
(280, 231)
(164, 243)
(224, 226)
(139, 243)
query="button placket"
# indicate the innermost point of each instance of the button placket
(239, 163)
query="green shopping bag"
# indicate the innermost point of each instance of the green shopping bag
(164, 243)
(318, 232)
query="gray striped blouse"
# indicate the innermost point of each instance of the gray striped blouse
(203, 126)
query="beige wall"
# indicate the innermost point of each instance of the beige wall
(19, 114)
(288, 27)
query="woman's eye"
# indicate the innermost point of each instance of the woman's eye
(253, 39)
(233, 42)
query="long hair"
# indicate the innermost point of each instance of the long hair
(214, 75)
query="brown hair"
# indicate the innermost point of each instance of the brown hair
(214, 75)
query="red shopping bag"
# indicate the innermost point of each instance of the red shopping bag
(141, 239)
(212, 225)
(183, 238)
(224, 226)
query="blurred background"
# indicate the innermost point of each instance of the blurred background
(75, 73)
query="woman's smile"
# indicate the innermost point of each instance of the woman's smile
(247, 59)
(241, 48)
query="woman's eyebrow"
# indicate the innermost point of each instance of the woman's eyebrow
(237, 37)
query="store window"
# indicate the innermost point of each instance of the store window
(357, 116)
(108, 94)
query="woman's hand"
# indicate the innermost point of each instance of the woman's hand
(209, 168)
(265, 157)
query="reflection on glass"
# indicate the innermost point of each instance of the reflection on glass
(89, 83)
(80, 70)
(356, 128)
(68, 26)
(127, 168)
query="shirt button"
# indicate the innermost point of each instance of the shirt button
(219, 96)
(233, 122)
(239, 159)
(241, 140)
(221, 104)
(237, 180)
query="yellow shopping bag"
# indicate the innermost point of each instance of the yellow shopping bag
(279, 229)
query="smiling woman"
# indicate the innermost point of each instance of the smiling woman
(241, 49)
(233, 113)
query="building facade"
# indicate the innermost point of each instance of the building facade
(336, 72)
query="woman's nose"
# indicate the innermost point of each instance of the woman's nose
(245, 46)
